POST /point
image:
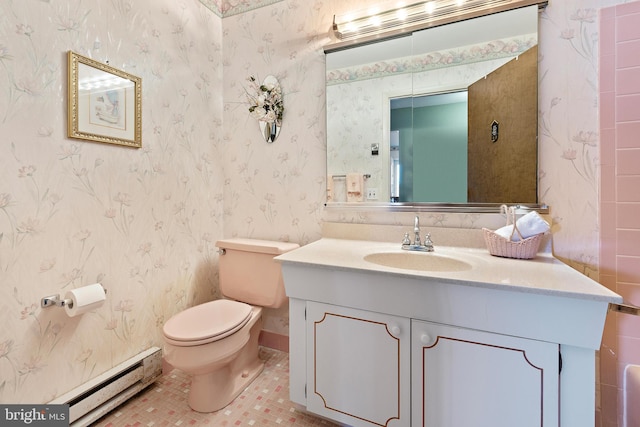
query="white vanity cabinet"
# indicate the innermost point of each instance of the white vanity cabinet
(463, 377)
(358, 365)
(383, 346)
(369, 369)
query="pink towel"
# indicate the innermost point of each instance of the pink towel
(330, 188)
(355, 184)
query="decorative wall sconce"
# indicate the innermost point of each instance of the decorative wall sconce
(397, 17)
(266, 105)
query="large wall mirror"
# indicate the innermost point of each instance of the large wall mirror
(442, 116)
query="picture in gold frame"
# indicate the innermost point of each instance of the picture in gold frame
(105, 104)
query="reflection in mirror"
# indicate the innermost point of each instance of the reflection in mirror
(367, 91)
(430, 161)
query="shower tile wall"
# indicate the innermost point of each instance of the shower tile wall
(619, 196)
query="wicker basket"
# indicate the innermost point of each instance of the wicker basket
(523, 249)
(507, 248)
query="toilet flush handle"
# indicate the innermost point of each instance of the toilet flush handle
(222, 251)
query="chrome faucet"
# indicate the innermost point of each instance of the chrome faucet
(416, 231)
(417, 244)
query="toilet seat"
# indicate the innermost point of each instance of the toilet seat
(205, 323)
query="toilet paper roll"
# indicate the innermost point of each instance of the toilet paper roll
(84, 299)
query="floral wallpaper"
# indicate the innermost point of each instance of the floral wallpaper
(234, 7)
(504, 48)
(144, 221)
(568, 128)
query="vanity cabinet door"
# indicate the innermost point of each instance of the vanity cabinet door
(469, 378)
(358, 366)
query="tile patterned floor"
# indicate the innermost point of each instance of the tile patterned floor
(264, 403)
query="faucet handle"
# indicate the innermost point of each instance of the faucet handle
(406, 240)
(428, 243)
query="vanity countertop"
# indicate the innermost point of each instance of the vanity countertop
(545, 274)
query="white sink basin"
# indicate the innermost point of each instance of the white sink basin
(420, 261)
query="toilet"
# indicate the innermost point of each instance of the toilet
(216, 343)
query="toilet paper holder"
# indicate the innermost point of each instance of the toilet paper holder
(55, 300)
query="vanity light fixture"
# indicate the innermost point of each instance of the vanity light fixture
(398, 17)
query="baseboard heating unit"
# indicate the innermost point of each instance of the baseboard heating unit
(93, 399)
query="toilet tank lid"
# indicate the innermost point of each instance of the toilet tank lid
(256, 245)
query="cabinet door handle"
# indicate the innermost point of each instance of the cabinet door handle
(395, 330)
(425, 339)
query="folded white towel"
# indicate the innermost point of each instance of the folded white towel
(355, 184)
(529, 225)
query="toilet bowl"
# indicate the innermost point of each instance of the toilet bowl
(218, 357)
(216, 343)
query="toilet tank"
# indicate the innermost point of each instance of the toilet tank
(248, 272)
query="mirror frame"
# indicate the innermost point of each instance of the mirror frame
(427, 206)
(434, 207)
